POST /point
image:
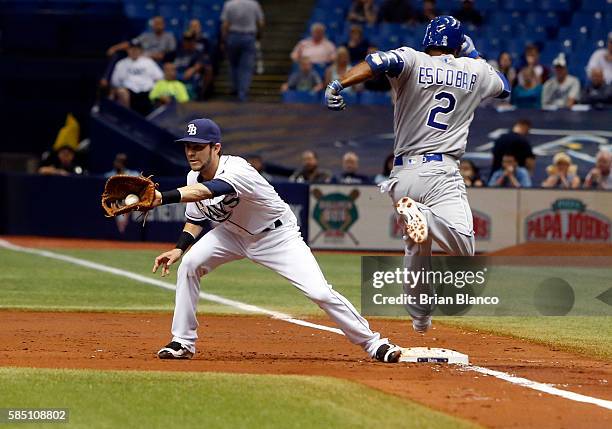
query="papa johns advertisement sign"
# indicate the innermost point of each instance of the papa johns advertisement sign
(567, 220)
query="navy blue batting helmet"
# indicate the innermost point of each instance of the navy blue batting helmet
(443, 32)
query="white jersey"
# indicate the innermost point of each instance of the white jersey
(253, 207)
(435, 99)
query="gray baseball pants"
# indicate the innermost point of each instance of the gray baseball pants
(439, 191)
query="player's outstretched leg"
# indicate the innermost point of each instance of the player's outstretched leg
(284, 251)
(213, 249)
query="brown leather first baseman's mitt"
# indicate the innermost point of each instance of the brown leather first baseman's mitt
(118, 187)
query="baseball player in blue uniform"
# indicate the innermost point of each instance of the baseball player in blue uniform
(250, 221)
(435, 93)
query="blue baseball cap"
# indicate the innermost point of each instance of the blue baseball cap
(203, 131)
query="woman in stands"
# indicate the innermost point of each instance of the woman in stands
(562, 174)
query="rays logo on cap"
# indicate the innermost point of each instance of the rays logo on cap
(192, 129)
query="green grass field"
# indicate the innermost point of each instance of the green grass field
(120, 398)
(114, 399)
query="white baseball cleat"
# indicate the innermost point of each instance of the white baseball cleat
(414, 219)
(174, 350)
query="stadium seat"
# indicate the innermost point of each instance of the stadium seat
(375, 98)
(596, 5)
(301, 97)
(519, 5)
(174, 9)
(556, 5)
(140, 8)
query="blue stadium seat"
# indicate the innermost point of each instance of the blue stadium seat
(174, 9)
(594, 5)
(375, 98)
(489, 5)
(519, 5)
(175, 26)
(301, 97)
(556, 5)
(140, 8)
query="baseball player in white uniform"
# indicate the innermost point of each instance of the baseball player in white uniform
(435, 93)
(250, 221)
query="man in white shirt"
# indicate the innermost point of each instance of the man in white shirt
(250, 221)
(133, 78)
(562, 90)
(316, 47)
(602, 59)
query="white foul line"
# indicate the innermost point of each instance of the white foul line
(165, 285)
(524, 382)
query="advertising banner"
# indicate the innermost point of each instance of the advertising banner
(362, 218)
(562, 216)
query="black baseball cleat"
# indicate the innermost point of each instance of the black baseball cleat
(388, 353)
(174, 350)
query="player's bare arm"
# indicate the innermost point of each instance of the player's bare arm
(188, 236)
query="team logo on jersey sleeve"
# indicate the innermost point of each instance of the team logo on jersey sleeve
(220, 211)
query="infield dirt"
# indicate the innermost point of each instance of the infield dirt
(247, 344)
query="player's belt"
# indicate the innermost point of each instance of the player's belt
(276, 224)
(418, 159)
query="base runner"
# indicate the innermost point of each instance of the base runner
(251, 221)
(435, 93)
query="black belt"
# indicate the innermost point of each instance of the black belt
(277, 223)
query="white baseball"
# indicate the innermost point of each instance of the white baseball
(131, 199)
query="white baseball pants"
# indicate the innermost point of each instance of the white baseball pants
(282, 250)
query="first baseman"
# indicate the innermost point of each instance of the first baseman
(250, 221)
(435, 93)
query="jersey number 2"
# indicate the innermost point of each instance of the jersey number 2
(431, 119)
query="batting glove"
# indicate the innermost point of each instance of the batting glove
(333, 99)
(468, 49)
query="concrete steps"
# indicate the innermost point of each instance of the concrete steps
(285, 25)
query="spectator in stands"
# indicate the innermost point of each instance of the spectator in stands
(120, 167)
(257, 163)
(562, 173)
(156, 43)
(470, 174)
(316, 47)
(169, 89)
(504, 65)
(349, 175)
(396, 12)
(600, 176)
(562, 90)
(468, 13)
(340, 66)
(202, 43)
(193, 66)
(515, 143)
(61, 162)
(305, 79)
(597, 93)
(362, 12)
(133, 78)
(387, 167)
(310, 172)
(242, 21)
(602, 59)
(528, 94)
(379, 83)
(510, 175)
(429, 12)
(532, 61)
(357, 45)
